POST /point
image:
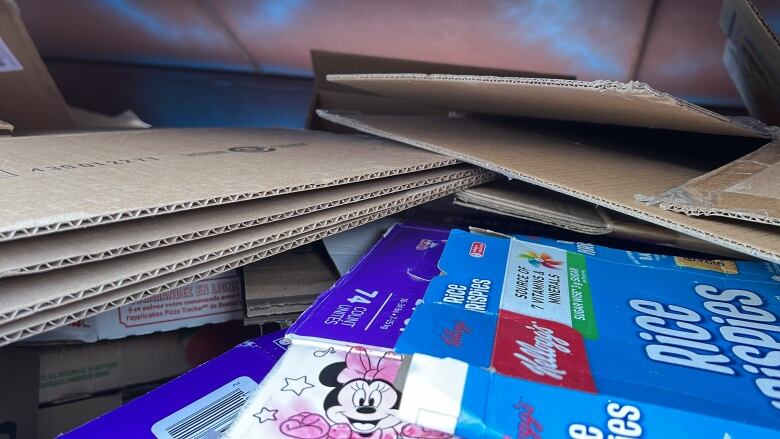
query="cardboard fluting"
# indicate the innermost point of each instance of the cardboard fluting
(606, 172)
(62, 250)
(633, 104)
(32, 304)
(60, 182)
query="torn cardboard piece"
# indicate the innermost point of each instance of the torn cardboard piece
(533, 203)
(62, 182)
(745, 189)
(752, 58)
(603, 172)
(633, 104)
(61, 250)
(39, 321)
(287, 282)
(30, 98)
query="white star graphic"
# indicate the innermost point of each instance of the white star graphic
(297, 385)
(265, 415)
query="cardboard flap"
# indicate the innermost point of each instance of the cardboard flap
(752, 58)
(605, 102)
(30, 98)
(60, 182)
(570, 167)
(746, 189)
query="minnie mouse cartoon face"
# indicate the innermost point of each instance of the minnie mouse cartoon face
(363, 395)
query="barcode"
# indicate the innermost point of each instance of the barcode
(8, 62)
(214, 412)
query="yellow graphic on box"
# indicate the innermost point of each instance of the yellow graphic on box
(718, 265)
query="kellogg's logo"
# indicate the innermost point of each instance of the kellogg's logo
(541, 259)
(477, 249)
(541, 357)
(454, 336)
(541, 350)
(528, 426)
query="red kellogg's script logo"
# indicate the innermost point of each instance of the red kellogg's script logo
(528, 427)
(454, 336)
(541, 350)
(477, 249)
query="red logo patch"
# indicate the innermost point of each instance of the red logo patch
(541, 350)
(454, 336)
(477, 249)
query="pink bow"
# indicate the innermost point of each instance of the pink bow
(360, 365)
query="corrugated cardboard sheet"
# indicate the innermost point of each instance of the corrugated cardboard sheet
(526, 201)
(36, 303)
(752, 58)
(330, 95)
(60, 182)
(30, 99)
(607, 102)
(288, 282)
(605, 166)
(61, 250)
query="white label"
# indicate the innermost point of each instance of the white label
(8, 62)
(433, 392)
(536, 283)
(214, 412)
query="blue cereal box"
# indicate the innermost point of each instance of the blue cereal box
(557, 339)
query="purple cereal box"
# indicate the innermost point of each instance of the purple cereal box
(203, 400)
(371, 304)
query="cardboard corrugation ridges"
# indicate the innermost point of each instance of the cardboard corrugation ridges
(551, 98)
(67, 249)
(245, 256)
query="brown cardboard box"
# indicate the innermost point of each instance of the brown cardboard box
(529, 202)
(56, 419)
(287, 283)
(77, 370)
(30, 99)
(61, 250)
(658, 147)
(25, 322)
(18, 394)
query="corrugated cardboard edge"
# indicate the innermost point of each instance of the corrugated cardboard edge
(200, 234)
(696, 233)
(195, 204)
(74, 296)
(700, 196)
(20, 329)
(633, 88)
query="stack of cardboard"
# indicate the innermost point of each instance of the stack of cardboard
(82, 232)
